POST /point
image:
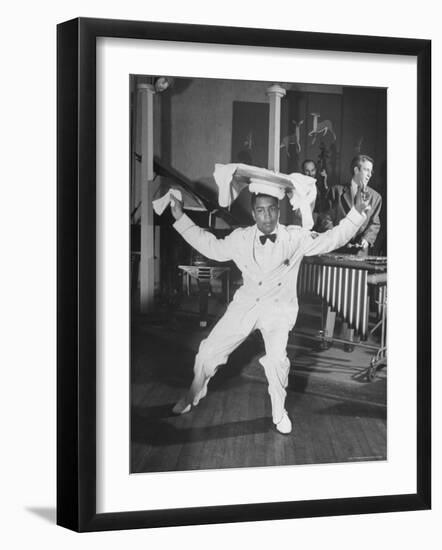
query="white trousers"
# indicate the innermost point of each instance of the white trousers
(230, 331)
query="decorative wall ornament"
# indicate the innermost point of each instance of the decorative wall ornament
(321, 128)
(358, 146)
(250, 133)
(248, 142)
(293, 139)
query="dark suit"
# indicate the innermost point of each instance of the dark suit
(340, 203)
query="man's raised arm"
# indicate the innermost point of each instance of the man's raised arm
(203, 241)
(340, 235)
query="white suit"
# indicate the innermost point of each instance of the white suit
(267, 300)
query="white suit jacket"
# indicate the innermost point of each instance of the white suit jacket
(270, 290)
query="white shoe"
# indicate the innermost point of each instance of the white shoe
(182, 407)
(284, 426)
(185, 405)
(201, 394)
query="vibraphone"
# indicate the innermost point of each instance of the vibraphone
(342, 281)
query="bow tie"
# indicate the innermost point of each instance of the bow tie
(263, 238)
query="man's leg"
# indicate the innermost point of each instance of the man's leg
(224, 338)
(276, 366)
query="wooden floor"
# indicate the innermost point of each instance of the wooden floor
(337, 415)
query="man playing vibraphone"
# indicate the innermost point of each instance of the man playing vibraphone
(342, 198)
(268, 255)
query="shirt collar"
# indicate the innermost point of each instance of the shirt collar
(353, 189)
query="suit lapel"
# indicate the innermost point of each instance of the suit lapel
(347, 203)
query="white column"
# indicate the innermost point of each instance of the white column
(147, 274)
(275, 93)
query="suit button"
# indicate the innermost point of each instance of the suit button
(279, 284)
(260, 283)
(257, 299)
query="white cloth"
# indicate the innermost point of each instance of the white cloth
(162, 203)
(301, 189)
(268, 298)
(303, 197)
(228, 188)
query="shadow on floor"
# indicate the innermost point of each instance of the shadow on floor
(159, 432)
(157, 356)
(354, 409)
(48, 514)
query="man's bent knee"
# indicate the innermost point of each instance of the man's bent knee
(276, 366)
(208, 359)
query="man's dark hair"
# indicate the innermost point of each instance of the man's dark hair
(305, 162)
(357, 161)
(255, 196)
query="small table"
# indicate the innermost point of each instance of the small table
(204, 275)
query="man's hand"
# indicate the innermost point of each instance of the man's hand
(362, 206)
(176, 208)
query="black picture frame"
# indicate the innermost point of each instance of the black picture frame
(76, 274)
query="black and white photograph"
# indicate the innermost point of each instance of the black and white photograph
(258, 273)
(220, 275)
